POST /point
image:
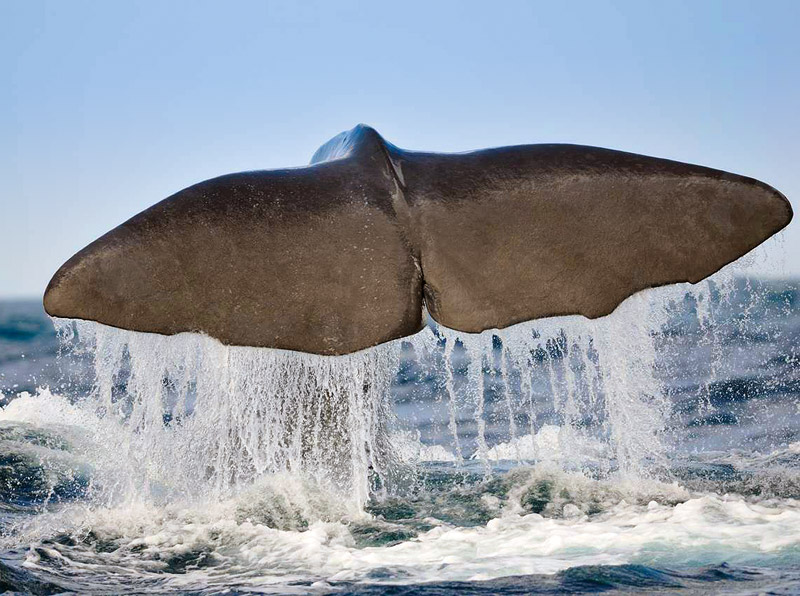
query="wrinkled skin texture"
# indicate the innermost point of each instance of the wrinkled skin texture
(343, 254)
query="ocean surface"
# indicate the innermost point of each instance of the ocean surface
(654, 450)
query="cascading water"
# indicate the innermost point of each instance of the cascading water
(594, 379)
(197, 419)
(186, 417)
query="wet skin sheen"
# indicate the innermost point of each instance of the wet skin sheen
(344, 254)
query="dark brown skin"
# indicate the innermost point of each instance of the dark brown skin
(337, 257)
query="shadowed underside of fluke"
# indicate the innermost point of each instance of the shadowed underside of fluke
(345, 253)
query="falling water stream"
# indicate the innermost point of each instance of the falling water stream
(188, 417)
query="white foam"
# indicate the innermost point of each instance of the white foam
(703, 529)
(545, 445)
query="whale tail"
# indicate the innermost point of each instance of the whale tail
(343, 254)
(519, 233)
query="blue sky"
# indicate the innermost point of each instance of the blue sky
(108, 107)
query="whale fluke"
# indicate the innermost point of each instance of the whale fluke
(344, 254)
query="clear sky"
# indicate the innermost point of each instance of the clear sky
(108, 107)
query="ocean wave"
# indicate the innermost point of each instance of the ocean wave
(541, 522)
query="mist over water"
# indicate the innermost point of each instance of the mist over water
(657, 448)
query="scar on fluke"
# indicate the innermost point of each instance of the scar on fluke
(346, 253)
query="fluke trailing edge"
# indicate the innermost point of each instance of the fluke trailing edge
(343, 254)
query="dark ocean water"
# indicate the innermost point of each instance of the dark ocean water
(587, 464)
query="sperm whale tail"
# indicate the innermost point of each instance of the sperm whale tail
(343, 254)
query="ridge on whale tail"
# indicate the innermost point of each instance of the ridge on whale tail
(344, 254)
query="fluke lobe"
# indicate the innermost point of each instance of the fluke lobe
(342, 254)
